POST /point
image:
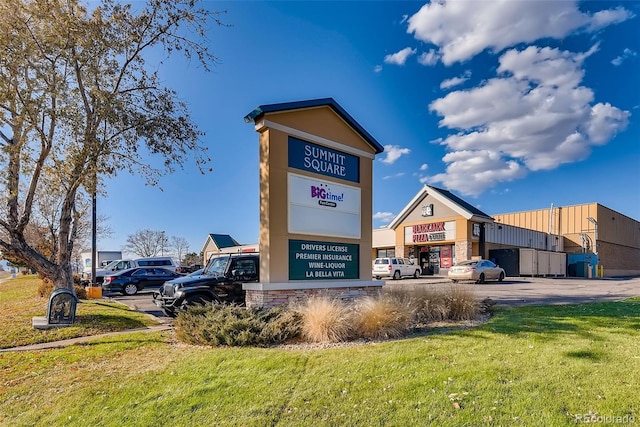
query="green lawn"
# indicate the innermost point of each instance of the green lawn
(529, 366)
(19, 303)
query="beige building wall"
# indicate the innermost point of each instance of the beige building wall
(618, 242)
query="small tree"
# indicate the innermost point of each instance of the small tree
(79, 102)
(192, 258)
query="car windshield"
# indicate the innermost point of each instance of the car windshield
(470, 263)
(111, 264)
(216, 266)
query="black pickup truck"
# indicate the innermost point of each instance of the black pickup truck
(221, 281)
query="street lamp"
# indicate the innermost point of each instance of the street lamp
(595, 233)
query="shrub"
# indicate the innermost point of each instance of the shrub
(382, 317)
(216, 324)
(45, 288)
(462, 303)
(430, 305)
(81, 292)
(325, 320)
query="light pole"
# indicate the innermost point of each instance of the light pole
(595, 233)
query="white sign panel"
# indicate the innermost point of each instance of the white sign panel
(323, 208)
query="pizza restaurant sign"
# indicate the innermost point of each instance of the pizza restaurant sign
(431, 232)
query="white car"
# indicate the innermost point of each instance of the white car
(395, 268)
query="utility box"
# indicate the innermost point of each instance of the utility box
(543, 263)
(508, 259)
(557, 264)
(528, 262)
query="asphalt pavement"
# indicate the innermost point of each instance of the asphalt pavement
(512, 291)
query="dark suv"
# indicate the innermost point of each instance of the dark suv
(221, 281)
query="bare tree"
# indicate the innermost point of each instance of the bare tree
(148, 243)
(79, 101)
(180, 246)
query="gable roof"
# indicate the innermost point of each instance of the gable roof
(449, 199)
(221, 241)
(259, 112)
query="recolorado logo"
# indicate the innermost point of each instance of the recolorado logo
(325, 196)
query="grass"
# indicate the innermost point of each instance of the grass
(551, 366)
(19, 303)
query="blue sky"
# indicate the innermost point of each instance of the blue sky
(511, 105)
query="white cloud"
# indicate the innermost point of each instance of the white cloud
(393, 153)
(472, 172)
(383, 217)
(455, 81)
(398, 175)
(626, 54)
(534, 115)
(400, 57)
(462, 29)
(424, 167)
(377, 68)
(429, 58)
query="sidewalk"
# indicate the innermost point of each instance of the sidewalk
(73, 341)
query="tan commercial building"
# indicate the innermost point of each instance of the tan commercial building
(438, 229)
(587, 229)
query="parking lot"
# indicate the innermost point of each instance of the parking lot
(512, 291)
(539, 290)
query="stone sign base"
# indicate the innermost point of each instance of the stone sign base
(268, 298)
(40, 322)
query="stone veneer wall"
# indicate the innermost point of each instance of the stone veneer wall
(464, 250)
(268, 299)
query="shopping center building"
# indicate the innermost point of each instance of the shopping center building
(437, 229)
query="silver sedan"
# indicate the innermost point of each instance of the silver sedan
(476, 270)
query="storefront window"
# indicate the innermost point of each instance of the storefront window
(386, 253)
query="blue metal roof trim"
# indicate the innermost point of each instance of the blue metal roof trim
(461, 203)
(223, 240)
(256, 114)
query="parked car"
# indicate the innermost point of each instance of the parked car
(476, 270)
(129, 282)
(395, 268)
(196, 273)
(220, 281)
(188, 269)
(126, 264)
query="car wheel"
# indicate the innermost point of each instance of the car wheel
(378, 277)
(501, 278)
(416, 275)
(130, 289)
(481, 278)
(396, 275)
(454, 280)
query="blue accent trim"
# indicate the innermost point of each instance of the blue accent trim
(256, 114)
(321, 160)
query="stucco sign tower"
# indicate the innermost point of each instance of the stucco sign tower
(316, 165)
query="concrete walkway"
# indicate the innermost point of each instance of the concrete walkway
(79, 340)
